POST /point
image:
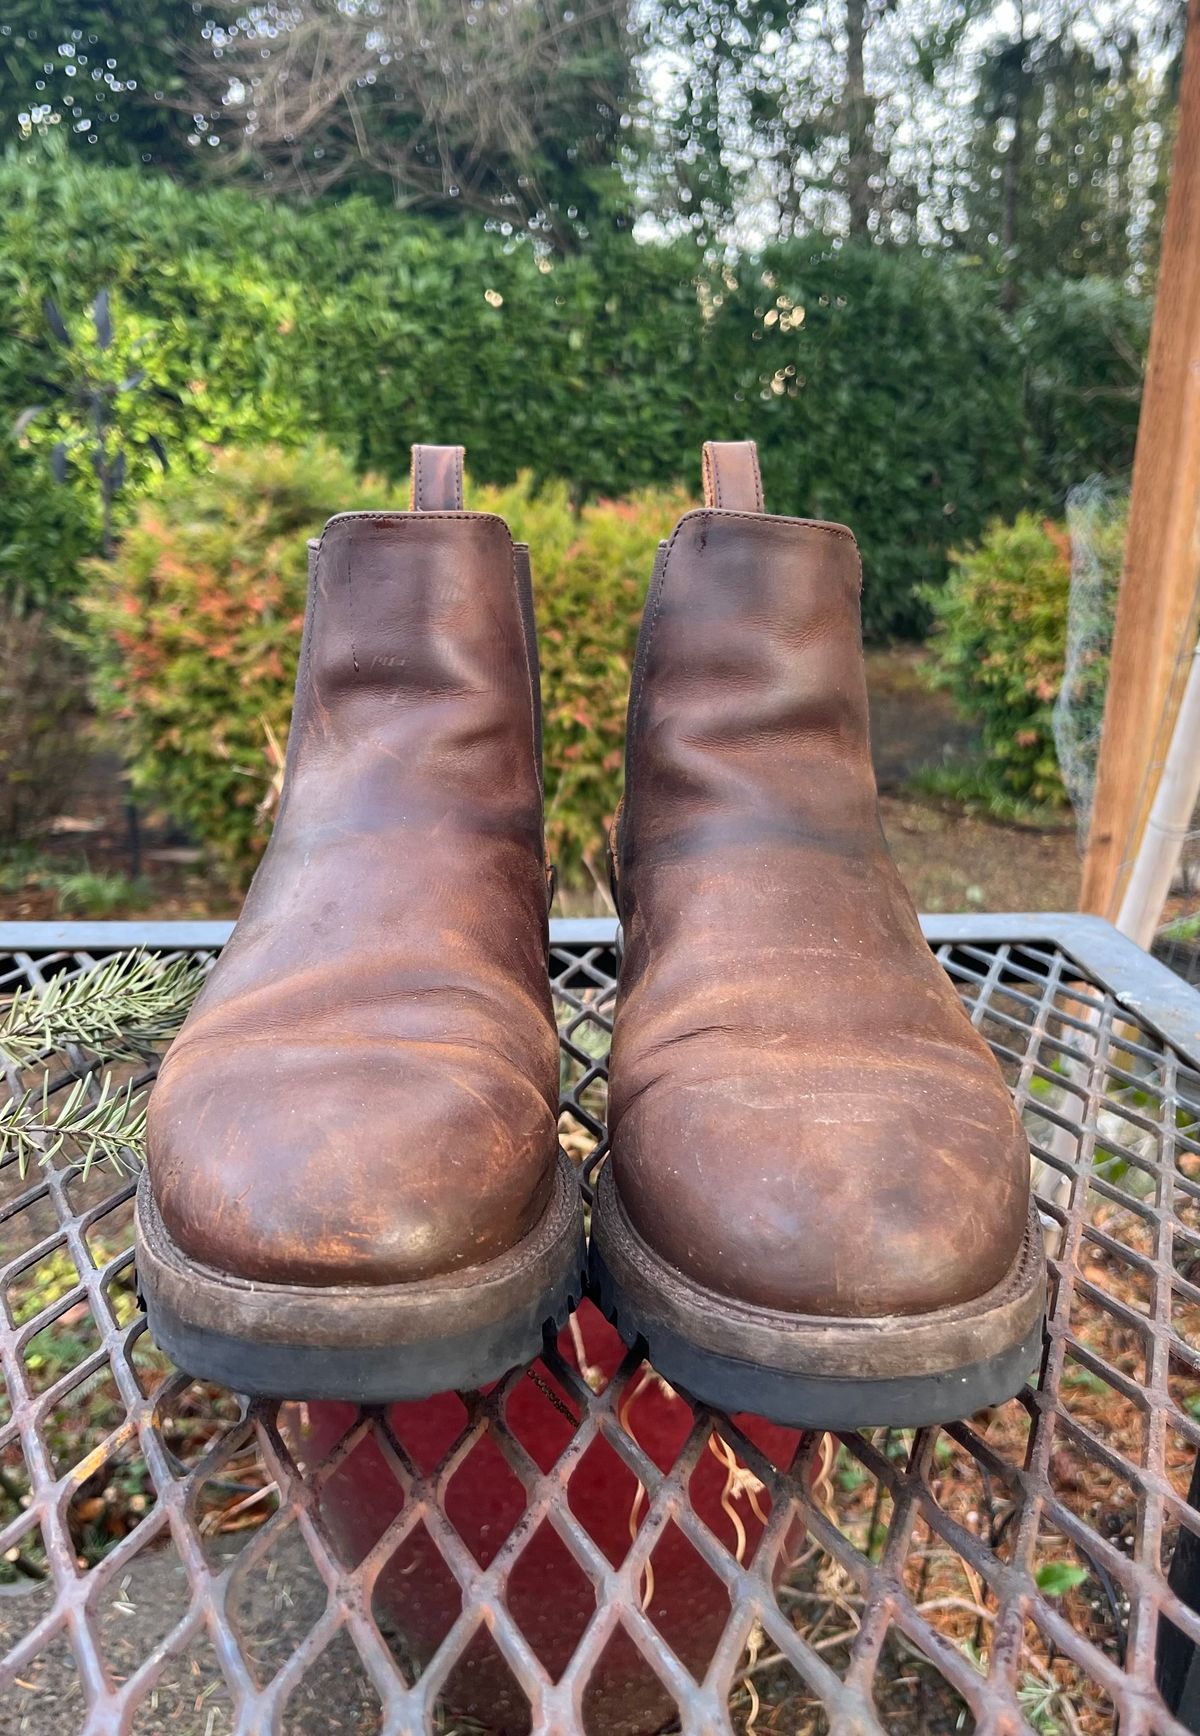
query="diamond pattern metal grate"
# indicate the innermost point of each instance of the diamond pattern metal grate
(579, 1548)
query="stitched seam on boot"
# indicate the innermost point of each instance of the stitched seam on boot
(418, 477)
(538, 771)
(823, 524)
(711, 466)
(407, 519)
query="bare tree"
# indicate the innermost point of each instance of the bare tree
(507, 108)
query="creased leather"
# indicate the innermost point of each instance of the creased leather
(366, 1090)
(802, 1116)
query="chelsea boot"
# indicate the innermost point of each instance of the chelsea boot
(354, 1187)
(817, 1204)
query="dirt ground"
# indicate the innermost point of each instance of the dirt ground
(953, 861)
(950, 860)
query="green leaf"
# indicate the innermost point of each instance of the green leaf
(1056, 1578)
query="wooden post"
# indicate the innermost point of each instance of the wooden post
(1168, 824)
(1158, 610)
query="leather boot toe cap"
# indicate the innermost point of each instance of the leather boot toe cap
(902, 1192)
(293, 1164)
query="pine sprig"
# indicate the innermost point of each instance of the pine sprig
(122, 1008)
(111, 1127)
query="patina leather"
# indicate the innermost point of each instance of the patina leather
(802, 1116)
(366, 1090)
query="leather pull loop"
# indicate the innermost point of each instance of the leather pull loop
(437, 478)
(731, 475)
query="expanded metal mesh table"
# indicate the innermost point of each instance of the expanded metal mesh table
(579, 1547)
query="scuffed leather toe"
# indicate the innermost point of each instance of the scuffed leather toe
(884, 1157)
(398, 1169)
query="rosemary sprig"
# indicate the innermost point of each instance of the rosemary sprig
(122, 1008)
(110, 1127)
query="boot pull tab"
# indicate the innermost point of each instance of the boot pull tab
(437, 478)
(731, 475)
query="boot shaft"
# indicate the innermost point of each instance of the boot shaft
(417, 686)
(748, 719)
(413, 777)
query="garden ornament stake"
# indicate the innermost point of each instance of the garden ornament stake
(354, 1184)
(88, 398)
(817, 1206)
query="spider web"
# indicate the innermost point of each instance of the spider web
(1096, 515)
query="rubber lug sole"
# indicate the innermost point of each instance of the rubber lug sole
(369, 1344)
(807, 1371)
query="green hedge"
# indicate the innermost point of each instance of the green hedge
(999, 646)
(1084, 341)
(45, 531)
(884, 388)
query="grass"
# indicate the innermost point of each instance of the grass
(1184, 928)
(78, 889)
(972, 786)
(86, 893)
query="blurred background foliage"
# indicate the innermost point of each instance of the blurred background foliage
(194, 633)
(908, 246)
(885, 386)
(999, 645)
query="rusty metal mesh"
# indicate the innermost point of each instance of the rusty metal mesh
(579, 1548)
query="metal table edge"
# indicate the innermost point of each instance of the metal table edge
(1138, 982)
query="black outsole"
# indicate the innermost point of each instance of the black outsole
(815, 1401)
(366, 1345)
(790, 1396)
(377, 1374)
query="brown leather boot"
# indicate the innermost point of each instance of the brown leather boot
(354, 1185)
(817, 1205)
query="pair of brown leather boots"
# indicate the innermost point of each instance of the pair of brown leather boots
(817, 1204)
